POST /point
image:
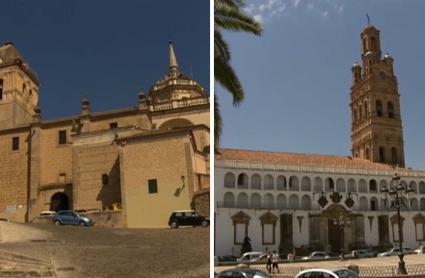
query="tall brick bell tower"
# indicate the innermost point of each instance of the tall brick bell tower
(376, 129)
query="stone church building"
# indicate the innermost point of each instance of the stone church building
(309, 202)
(145, 161)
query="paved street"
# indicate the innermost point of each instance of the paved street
(369, 263)
(68, 251)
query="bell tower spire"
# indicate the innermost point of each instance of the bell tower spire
(376, 129)
(173, 66)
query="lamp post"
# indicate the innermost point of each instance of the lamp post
(396, 192)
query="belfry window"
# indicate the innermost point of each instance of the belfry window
(367, 155)
(394, 155)
(379, 108)
(1, 89)
(390, 109)
(381, 154)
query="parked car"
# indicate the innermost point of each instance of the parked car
(320, 255)
(250, 256)
(68, 217)
(242, 273)
(187, 218)
(325, 273)
(228, 258)
(363, 253)
(395, 252)
(420, 250)
(47, 213)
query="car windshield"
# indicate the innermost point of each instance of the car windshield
(345, 274)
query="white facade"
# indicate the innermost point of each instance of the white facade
(250, 191)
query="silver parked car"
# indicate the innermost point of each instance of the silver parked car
(325, 273)
(363, 253)
(320, 255)
(395, 252)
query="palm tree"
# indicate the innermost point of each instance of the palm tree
(228, 16)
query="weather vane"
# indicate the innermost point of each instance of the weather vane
(368, 19)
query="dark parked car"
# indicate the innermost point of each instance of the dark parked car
(187, 218)
(242, 273)
(68, 217)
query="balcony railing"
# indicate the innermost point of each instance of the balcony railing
(179, 104)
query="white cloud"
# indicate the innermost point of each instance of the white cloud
(267, 10)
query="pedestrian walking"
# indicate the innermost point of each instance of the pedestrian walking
(275, 262)
(269, 263)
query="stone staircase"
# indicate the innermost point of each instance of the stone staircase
(14, 265)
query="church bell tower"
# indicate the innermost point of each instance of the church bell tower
(376, 129)
(18, 89)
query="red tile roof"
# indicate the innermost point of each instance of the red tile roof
(300, 159)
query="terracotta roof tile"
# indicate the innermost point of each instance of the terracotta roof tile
(300, 159)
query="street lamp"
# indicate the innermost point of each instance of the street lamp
(396, 192)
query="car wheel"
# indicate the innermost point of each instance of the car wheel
(57, 222)
(82, 224)
(174, 225)
(205, 223)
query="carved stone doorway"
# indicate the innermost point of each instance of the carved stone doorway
(335, 236)
(286, 236)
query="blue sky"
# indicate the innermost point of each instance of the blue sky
(106, 50)
(297, 74)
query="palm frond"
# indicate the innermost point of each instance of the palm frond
(227, 78)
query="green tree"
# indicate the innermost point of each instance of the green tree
(228, 16)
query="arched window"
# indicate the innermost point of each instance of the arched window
(394, 155)
(256, 201)
(318, 185)
(390, 109)
(229, 200)
(305, 184)
(242, 200)
(293, 183)
(294, 202)
(362, 186)
(382, 184)
(364, 45)
(379, 108)
(268, 201)
(374, 204)
(281, 183)
(281, 201)
(381, 154)
(373, 43)
(243, 181)
(352, 185)
(414, 204)
(413, 186)
(306, 202)
(355, 115)
(366, 111)
(1, 89)
(268, 182)
(229, 180)
(363, 203)
(373, 186)
(422, 187)
(422, 203)
(367, 153)
(329, 185)
(360, 113)
(340, 185)
(255, 181)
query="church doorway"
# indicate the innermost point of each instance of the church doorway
(59, 201)
(335, 236)
(286, 237)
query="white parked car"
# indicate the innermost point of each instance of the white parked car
(395, 252)
(47, 213)
(250, 256)
(325, 273)
(320, 255)
(420, 250)
(363, 253)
